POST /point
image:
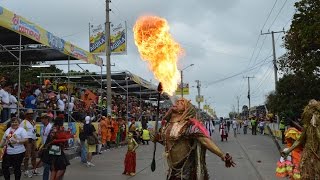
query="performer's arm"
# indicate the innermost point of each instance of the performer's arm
(295, 144)
(211, 146)
(135, 144)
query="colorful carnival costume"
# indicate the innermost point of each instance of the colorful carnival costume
(223, 131)
(186, 141)
(289, 166)
(130, 160)
(310, 141)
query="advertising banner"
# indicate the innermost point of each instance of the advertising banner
(20, 25)
(199, 99)
(97, 39)
(185, 89)
(118, 38)
(206, 107)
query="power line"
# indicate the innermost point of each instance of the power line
(237, 74)
(264, 77)
(278, 13)
(269, 14)
(254, 50)
(260, 49)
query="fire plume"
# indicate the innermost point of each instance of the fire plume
(157, 47)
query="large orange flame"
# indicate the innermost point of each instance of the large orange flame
(158, 48)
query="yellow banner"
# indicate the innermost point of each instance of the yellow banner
(118, 38)
(185, 89)
(206, 107)
(20, 25)
(199, 99)
(97, 39)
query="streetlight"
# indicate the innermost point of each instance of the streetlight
(181, 84)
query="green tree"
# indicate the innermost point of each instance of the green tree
(293, 93)
(28, 74)
(301, 64)
(303, 40)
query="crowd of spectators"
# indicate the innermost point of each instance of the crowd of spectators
(52, 97)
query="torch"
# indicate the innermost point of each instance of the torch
(153, 164)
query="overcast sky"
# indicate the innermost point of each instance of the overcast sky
(219, 37)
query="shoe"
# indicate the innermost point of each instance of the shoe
(37, 173)
(92, 165)
(26, 173)
(30, 173)
(89, 164)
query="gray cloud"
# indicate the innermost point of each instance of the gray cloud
(218, 37)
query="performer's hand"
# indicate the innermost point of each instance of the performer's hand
(153, 137)
(284, 153)
(228, 161)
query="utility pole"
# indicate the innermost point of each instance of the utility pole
(198, 99)
(238, 98)
(108, 60)
(249, 91)
(274, 56)
(181, 83)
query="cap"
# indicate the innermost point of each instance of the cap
(43, 115)
(29, 111)
(87, 119)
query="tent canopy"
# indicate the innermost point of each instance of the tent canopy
(37, 44)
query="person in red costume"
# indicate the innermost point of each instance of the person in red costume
(130, 159)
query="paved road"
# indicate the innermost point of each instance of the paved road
(256, 158)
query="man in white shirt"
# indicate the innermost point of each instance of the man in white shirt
(45, 119)
(245, 126)
(234, 127)
(13, 104)
(30, 126)
(61, 105)
(37, 92)
(5, 104)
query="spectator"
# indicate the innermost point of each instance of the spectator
(145, 136)
(228, 125)
(30, 101)
(83, 144)
(254, 125)
(245, 126)
(261, 126)
(90, 133)
(56, 143)
(30, 126)
(45, 119)
(5, 102)
(13, 104)
(13, 140)
(234, 127)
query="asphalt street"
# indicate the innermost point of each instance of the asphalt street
(255, 156)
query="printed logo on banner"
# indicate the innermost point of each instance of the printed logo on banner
(78, 53)
(97, 37)
(25, 28)
(118, 38)
(55, 42)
